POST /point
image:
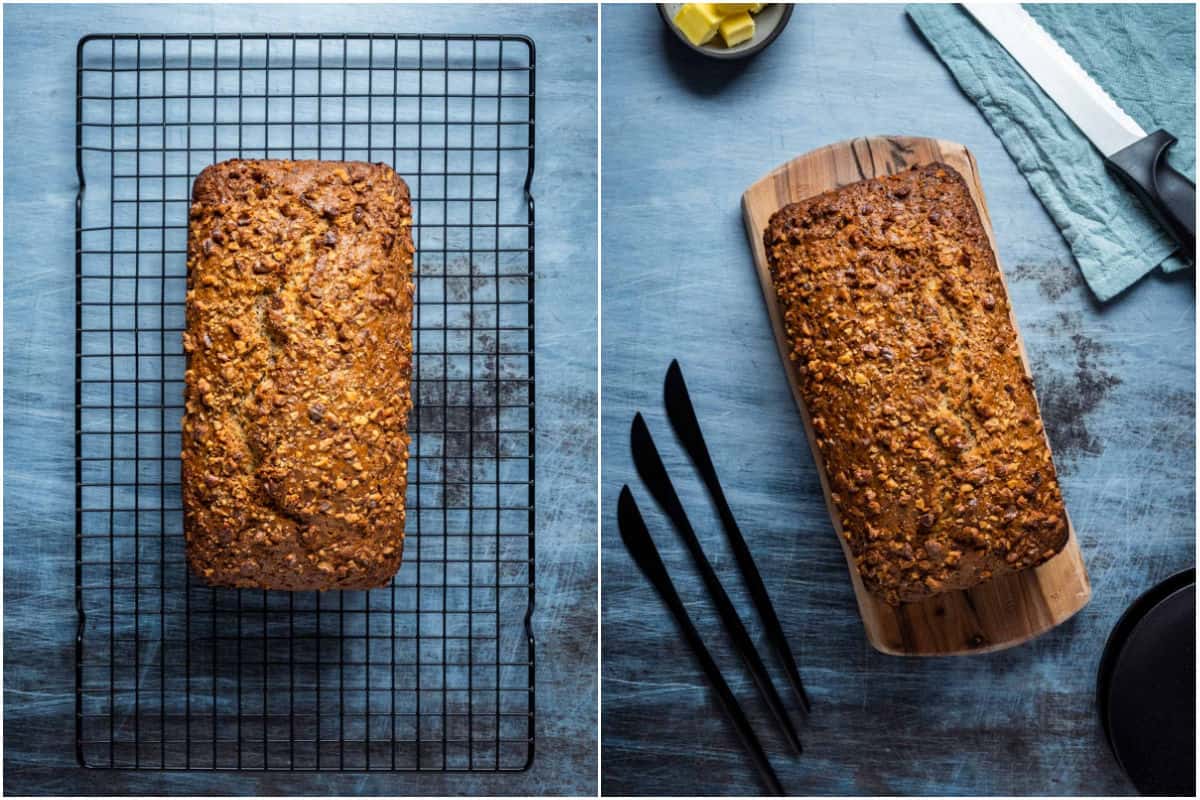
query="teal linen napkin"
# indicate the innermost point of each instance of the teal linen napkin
(1144, 56)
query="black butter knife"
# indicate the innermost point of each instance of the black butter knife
(682, 416)
(652, 470)
(645, 553)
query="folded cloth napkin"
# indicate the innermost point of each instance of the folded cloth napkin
(1144, 56)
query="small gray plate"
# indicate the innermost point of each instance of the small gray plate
(768, 24)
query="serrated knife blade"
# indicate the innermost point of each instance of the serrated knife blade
(1096, 114)
(1139, 159)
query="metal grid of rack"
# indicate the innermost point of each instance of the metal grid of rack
(435, 672)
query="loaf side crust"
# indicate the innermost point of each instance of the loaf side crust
(909, 367)
(297, 389)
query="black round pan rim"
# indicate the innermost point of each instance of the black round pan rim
(1137, 611)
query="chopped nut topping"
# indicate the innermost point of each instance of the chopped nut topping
(271, 395)
(923, 417)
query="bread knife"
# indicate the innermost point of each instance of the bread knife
(682, 416)
(645, 553)
(1137, 158)
(652, 470)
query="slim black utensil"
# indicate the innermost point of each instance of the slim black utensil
(682, 416)
(645, 553)
(651, 469)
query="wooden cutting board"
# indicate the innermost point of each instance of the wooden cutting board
(1004, 611)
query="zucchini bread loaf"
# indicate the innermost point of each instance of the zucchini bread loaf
(299, 351)
(909, 368)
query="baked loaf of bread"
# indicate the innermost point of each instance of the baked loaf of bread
(299, 350)
(910, 371)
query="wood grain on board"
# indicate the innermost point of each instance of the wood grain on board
(1006, 610)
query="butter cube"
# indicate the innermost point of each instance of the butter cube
(698, 21)
(756, 7)
(737, 29)
(729, 9)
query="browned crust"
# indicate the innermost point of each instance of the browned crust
(299, 325)
(909, 366)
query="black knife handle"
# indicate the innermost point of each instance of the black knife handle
(645, 553)
(653, 472)
(762, 600)
(1169, 195)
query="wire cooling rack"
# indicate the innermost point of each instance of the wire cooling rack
(435, 672)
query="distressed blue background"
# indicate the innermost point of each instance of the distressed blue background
(40, 186)
(682, 139)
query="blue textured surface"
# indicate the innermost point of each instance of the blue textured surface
(682, 139)
(40, 186)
